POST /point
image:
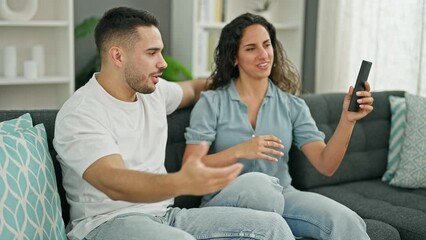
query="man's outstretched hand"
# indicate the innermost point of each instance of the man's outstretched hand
(198, 179)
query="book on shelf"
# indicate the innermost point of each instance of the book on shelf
(211, 11)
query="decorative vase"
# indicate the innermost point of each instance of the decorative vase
(30, 69)
(9, 61)
(26, 13)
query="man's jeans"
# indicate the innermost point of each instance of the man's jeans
(195, 223)
(307, 214)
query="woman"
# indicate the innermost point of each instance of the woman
(252, 115)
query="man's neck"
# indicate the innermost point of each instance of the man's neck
(116, 86)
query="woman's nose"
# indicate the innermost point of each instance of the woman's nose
(263, 53)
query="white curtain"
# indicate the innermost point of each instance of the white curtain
(389, 33)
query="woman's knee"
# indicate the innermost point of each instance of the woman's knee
(260, 191)
(258, 181)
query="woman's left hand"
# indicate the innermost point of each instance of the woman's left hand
(365, 103)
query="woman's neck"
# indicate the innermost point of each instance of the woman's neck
(251, 88)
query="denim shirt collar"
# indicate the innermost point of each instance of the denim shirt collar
(232, 90)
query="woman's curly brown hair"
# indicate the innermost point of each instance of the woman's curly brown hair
(283, 73)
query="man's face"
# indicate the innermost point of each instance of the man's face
(146, 62)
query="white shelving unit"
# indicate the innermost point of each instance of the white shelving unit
(53, 28)
(194, 36)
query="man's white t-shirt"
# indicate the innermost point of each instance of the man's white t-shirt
(93, 124)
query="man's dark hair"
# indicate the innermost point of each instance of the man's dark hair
(119, 25)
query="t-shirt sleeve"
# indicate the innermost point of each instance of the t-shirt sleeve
(172, 93)
(81, 139)
(203, 120)
(305, 129)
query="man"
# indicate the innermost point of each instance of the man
(111, 137)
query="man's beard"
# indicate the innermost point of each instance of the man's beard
(138, 83)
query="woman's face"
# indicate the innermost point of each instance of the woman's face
(255, 53)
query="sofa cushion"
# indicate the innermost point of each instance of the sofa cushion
(379, 230)
(411, 171)
(29, 200)
(396, 138)
(404, 209)
(366, 157)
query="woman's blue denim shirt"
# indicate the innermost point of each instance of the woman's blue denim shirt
(220, 118)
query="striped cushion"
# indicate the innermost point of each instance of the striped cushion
(396, 139)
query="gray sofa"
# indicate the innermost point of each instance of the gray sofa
(390, 213)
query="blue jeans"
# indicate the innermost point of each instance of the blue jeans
(195, 223)
(307, 214)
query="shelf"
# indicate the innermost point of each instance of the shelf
(52, 28)
(34, 23)
(38, 81)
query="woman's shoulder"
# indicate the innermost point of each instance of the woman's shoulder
(289, 97)
(216, 94)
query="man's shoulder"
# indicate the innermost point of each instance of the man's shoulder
(82, 104)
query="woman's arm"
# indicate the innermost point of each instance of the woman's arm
(326, 158)
(259, 147)
(191, 91)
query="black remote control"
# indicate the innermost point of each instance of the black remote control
(359, 85)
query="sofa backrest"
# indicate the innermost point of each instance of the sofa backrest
(177, 123)
(366, 157)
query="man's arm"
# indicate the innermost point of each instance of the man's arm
(109, 175)
(191, 91)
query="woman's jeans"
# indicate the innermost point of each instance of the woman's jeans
(307, 214)
(195, 223)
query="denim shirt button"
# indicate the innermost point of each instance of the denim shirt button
(253, 136)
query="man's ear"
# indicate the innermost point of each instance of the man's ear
(116, 55)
